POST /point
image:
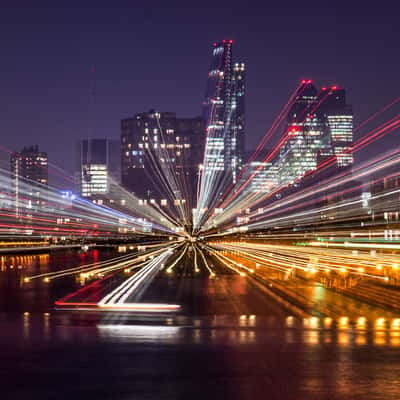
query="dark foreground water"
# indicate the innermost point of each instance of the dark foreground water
(48, 354)
(55, 356)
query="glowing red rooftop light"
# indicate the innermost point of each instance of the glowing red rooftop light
(231, 41)
(303, 81)
(309, 81)
(334, 87)
(324, 88)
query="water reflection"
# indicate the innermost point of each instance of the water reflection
(19, 293)
(139, 332)
(328, 322)
(26, 317)
(311, 337)
(379, 338)
(46, 325)
(343, 338)
(321, 362)
(290, 336)
(328, 337)
(244, 331)
(395, 338)
(361, 339)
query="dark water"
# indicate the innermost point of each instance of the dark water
(226, 354)
(37, 295)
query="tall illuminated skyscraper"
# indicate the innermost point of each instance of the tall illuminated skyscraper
(237, 148)
(224, 114)
(339, 118)
(224, 117)
(306, 136)
(319, 126)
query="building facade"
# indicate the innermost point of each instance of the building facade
(29, 176)
(237, 141)
(224, 114)
(98, 164)
(319, 127)
(160, 157)
(339, 119)
(306, 136)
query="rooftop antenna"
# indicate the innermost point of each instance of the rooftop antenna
(86, 159)
(90, 118)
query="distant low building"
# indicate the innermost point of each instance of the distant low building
(98, 166)
(29, 174)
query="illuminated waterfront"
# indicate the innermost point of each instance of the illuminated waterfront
(231, 338)
(199, 201)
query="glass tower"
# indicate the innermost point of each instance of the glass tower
(224, 113)
(306, 136)
(217, 108)
(339, 118)
(236, 155)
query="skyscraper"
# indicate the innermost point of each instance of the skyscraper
(29, 174)
(306, 135)
(319, 126)
(339, 118)
(237, 142)
(224, 114)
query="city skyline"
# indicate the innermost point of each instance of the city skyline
(269, 81)
(199, 200)
(332, 116)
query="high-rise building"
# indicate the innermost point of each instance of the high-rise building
(319, 126)
(97, 165)
(160, 156)
(339, 118)
(264, 176)
(237, 142)
(306, 135)
(29, 174)
(224, 114)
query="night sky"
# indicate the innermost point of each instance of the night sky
(156, 55)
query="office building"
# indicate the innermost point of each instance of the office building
(306, 135)
(319, 127)
(160, 157)
(30, 164)
(224, 115)
(339, 118)
(98, 163)
(237, 141)
(29, 175)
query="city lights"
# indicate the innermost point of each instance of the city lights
(169, 241)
